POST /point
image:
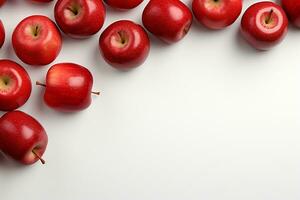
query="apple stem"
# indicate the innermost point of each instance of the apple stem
(95, 93)
(37, 155)
(36, 30)
(269, 16)
(40, 84)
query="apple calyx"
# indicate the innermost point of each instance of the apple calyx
(5, 83)
(5, 80)
(44, 85)
(39, 157)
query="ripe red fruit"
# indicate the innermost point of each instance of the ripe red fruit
(15, 85)
(36, 40)
(124, 44)
(123, 4)
(79, 18)
(2, 34)
(292, 9)
(169, 20)
(22, 137)
(42, 1)
(68, 87)
(264, 25)
(217, 14)
(2, 2)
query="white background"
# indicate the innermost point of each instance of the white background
(207, 118)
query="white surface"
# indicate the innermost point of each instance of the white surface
(208, 118)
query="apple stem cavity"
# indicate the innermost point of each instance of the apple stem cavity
(5, 81)
(74, 9)
(40, 84)
(39, 157)
(36, 31)
(122, 36)
(268, 19)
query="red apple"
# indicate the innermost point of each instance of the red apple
(37, 40)
(124, 44)
(22, 137)
(68, 87)
(42, 1)
(2, 2)
(217, 14)
(15, 85)
(264, 25)
(79, 18)
(292, 9)
(123, 4)
(2, 34)
(169, 20)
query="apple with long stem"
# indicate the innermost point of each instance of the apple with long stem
(217, 14)
(68, 87)
(15, 85)
(2, 34)
(169, 20)
(124, 44)
(36, 40)
(22, 137)
(79, 18)
(264, 25)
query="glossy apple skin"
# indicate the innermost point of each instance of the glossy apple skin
(20, 133)
(2, 34)
(37, 47)
(123, 4)
(42, 1)
(257, 32)
(292, 10)
(88, 20)
(17, 90)
(169, 20)
(2, 2)
(217, 14)
(68, 87)
(124, 44)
